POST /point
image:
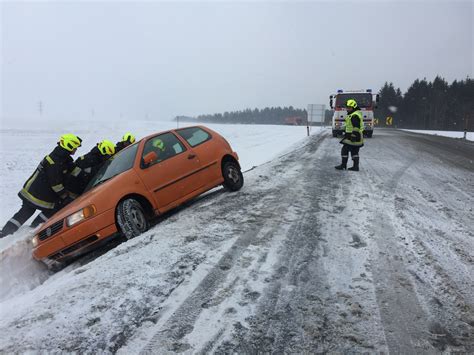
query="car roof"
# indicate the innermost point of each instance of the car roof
(171, 130)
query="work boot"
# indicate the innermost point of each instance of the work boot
(8, 229)
(356, 165)
(343, 165)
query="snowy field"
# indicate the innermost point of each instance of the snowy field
(255, 144)
(21, 149)
(451, 134)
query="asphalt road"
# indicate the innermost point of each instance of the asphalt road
(379, 260)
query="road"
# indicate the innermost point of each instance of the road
(303, 259)
(376, 260)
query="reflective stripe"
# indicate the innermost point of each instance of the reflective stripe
(50, 160)
(355, 156)
(32, 179)
(345, 156)
(88, 170)
(36, 201)
(57, 188)
(77, 170)
(43, 217)
(15, 222)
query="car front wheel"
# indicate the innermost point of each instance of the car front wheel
(131, 218)
(233, 178)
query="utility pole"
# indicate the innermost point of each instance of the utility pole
(466, 120)
(40, 108)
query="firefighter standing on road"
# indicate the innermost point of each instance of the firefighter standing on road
(127, 139)
(354, 136)
(45, 189)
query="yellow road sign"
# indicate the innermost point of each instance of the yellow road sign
(388, 121)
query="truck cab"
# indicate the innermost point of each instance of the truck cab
(364, 99)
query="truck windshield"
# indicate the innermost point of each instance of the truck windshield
(364, 100)
(120, 162)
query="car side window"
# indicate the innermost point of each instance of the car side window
(164, 145)
(194, 135)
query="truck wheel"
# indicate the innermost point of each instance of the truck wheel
(131, 218)
(369, 134)
(233, 178)
(334, 133)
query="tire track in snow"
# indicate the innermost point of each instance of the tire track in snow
(170, 331)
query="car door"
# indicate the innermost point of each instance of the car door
(174, 174)
(206, 148)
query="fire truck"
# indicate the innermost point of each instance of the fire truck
(365, 100)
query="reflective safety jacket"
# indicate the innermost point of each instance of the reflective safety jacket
(85, 167)
(45, 188)
(120, 145)
(354, 129)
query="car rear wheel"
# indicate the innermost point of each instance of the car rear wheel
(131, 218)
(233, 178)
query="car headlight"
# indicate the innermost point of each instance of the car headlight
(81, 215)
(35, 241)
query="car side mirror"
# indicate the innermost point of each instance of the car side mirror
(149, 158)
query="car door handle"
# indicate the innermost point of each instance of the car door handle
(191, 156)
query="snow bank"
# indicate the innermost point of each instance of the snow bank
(452, 134)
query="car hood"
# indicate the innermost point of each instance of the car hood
(100, 196)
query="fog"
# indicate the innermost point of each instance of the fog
(155, 60)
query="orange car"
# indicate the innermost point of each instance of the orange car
(144, 180)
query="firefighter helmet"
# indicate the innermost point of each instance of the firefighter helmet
(158, 143)
(351, 103)
(70, 141)
(106, 147)
(128, 137)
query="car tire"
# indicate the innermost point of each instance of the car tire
(131, 218)
(233, 177)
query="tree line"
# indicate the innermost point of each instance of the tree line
(268, 115)
(430, 105)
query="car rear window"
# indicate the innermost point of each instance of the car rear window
(194, 135)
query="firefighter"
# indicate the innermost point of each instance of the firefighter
(354, 136)
(45, 189)
(127, 139)
(87, 166)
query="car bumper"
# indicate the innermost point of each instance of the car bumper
(72, 240)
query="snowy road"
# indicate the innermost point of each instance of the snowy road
(303, 259)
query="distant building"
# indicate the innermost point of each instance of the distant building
(294, 121)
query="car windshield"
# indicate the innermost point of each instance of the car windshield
(364, 100)
(116, 165)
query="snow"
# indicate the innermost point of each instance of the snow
(27, 286)
(451, 134)
(197, 278)
(22, 149)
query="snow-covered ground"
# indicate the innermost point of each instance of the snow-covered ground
(303, 259)
(22, 146)
(452, 134)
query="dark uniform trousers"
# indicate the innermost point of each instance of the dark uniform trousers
(43, 191)
(26, 211)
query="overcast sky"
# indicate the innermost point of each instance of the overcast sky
(112, 60)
